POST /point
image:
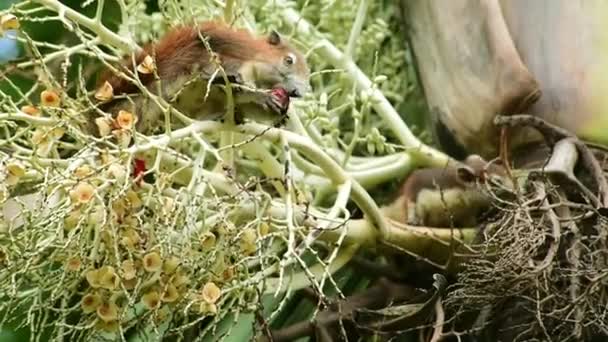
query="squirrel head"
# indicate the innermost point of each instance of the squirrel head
(488, 171)
(281, 65)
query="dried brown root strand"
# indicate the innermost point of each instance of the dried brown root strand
(558, 274)
(552, 134)
(504, 154)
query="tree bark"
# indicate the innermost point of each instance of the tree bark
(481, 58)
(469, 69)
(564, 43)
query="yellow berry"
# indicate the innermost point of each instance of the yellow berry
(119, 208)
(208, 241)
(248, 235)
(181, 279)
(93, 278)
(82, 193)
(151, 300)
(30, 110)
(128, 270)
(152, 262)
(73, 264)
(107, 312)
(105, 157)
(105, 92)
(9, 22)
(111, 326)
(129, 284)
(212, 309)
(50, 98)
(108, 278)
(57, 132)
(125, 120)
(147, 66)
(170, 265)
(211, 293)
(71, 221)
(117, 172)
(39, 136)
(171, 294)
(83, 171)
(130, 239)
(133, 235)
(264, 229)
(247, 241)
(134, 199)
(90, 302)
(15, 172)
(206, 308)
(103, 125)
(228, 273)
(130, 221)
(123, 137)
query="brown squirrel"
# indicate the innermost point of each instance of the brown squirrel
(444, 197)
(269, 66)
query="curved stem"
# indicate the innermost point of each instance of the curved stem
(267, 164)
(333, 171)
(106, 35)
(38, 121)
(331, 168)
(328, 51)
(300, 280)
(355, 32)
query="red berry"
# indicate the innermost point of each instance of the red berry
(282, 96)
(280, 92)
(138, 170)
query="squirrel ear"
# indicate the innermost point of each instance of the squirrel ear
(274, 38)
(466, 174)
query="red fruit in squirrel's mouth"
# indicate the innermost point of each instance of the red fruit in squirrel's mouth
(280, 97)
(281, 93)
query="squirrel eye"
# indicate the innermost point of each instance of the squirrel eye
(290, 60)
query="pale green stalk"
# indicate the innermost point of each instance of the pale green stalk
(422, 152)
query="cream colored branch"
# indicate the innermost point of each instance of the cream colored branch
(62, 53)
(355, 31)
(105, 34)
(328, 51)
(38, 121)
(325, 162)
(267, 163)
(332, 170)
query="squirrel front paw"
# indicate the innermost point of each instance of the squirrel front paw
(278, 100)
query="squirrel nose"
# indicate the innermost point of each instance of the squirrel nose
(295, 93)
